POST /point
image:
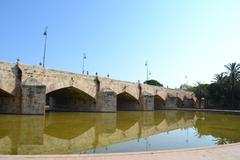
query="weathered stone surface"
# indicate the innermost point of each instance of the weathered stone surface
(89, 92)
(147, 102)
(106, 101)
(33, 97)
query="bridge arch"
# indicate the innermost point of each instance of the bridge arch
(120, 87)
(90, 90)
(179, 102)
(189, 102)
(7, 84)
(5, 93)
(126, 101)
(159, 102)
(7, 101)
(70, 99)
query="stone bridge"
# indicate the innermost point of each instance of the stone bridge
(26, 89)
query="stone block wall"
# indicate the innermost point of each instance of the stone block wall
(147, 102)
(33, 99)
(106, 101)
(25, 85)
(170, 102)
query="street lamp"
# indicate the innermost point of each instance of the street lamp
(146, 64)
(45, 46)
(84, 57)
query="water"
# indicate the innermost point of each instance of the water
(74, 133)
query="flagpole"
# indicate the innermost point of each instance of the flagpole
(45, 46)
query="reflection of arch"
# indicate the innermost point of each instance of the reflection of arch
(57, 125)
(126, 101)
(158, 102)
(70, 99)
(126, 120)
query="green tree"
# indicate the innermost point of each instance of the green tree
(220, 78)
(200, 90)
(185, 87)
(234, 76)
(153, 82)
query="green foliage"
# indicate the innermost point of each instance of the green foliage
(185, 87)
(153, 82)
(224, 92)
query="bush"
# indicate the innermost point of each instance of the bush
(153, 82)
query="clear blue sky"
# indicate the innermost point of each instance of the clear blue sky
(179, 38)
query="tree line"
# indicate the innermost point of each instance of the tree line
(223, 92)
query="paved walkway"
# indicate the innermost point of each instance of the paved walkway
(223, 152)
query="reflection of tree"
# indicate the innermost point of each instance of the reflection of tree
(221, 140)
(223, 127)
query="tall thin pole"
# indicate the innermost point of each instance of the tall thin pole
(45, 46)
(84, 57)
(146, 64)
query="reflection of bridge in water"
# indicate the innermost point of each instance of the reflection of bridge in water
(78, 132)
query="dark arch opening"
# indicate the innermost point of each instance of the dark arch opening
(179, 102)
(125, 101)
(5, 94)
(188, 103)
(159, 103)
(70, 99)
(7, 101)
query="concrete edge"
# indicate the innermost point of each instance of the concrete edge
(124, 153)
(202, 110)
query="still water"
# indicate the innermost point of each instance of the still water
(74, 133)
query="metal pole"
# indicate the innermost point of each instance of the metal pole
(84, 57)
(45, 47)
(147, 72)
(83, 66)
(146, 64)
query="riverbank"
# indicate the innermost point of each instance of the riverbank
(225, 152)
(205, 110)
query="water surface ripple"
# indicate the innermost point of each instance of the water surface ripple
(75, 132)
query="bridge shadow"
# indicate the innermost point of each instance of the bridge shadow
(126, 101)
(6, 101)
(70, 99)
(159, 103)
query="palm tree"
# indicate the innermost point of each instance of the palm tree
(234, 75)
(219, 78)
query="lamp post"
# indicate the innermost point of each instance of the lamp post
(84, 57)
(45, 46)
(146, 64)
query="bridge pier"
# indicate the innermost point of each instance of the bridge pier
(171, 102)
(106, 101)
(146, 102)
(33, 97)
